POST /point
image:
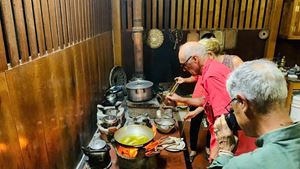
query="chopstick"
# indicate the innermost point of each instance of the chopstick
(182, 128)
(174, 88)
(183, 125)
(172, 91)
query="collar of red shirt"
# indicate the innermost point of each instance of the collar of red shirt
(206, 66)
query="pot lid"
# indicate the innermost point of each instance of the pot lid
(139, 84)
(115, 89)
(98, 144)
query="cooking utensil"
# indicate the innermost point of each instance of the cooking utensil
(134, 131)
(111, 98)
(183, 125)
(118, 90)
(182, 130)
(165, 125)
(171, 92)
(117, 76)
(174, 88)
(139, 90)
(110, 121)
(98, 153)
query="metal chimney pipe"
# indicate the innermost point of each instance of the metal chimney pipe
(137, 36)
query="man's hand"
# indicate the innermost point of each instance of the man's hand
(179, 80)
(194, 113)
(174, 97)
(190, 115)
(224, 135)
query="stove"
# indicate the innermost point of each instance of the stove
(110, 119)
(139, 108)
(146, 104)
(139, 162)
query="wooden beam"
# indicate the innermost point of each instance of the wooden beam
(116, 31)
(274, 28)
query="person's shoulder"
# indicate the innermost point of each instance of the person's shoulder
(245, 161)
(270, 156)
(217, 67)
(236, 61)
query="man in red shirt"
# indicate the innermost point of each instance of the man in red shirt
(194, 58)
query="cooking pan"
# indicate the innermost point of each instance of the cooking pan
(134, 135)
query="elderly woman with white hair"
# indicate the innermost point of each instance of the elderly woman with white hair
(258, 91)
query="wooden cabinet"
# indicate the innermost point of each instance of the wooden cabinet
(290, 20)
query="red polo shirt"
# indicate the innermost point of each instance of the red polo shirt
(214, 76)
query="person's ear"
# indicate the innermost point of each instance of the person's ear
(210, 54)
(195, 59)
(244, 105)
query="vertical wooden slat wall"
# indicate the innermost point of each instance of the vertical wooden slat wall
(206, 15)
(3, 61)
(32, 28)
(203, 14)
(48, 105)
(9, 32)
(21, 32)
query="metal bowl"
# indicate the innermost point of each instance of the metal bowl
(165, 125)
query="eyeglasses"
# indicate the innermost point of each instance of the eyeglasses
(231, 119)
(184, 64)
(229, 110)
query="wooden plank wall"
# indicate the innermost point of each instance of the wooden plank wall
(55, 58)
(202, 14)
(210, 15)
(33, 28)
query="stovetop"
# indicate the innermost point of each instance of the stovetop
(153, 103)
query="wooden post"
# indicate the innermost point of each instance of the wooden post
(137, 36)
(274, 28)
(116, 32)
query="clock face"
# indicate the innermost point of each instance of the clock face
(117, 76)
(155, 38)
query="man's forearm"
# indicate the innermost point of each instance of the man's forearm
(193, 101)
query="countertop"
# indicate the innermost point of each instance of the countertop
(166, 159)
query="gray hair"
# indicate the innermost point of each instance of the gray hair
(260, 81)
(193, 49)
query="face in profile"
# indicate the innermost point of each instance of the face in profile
(191, 65)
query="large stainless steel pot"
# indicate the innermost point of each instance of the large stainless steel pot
(139, 90)
(131, 132)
